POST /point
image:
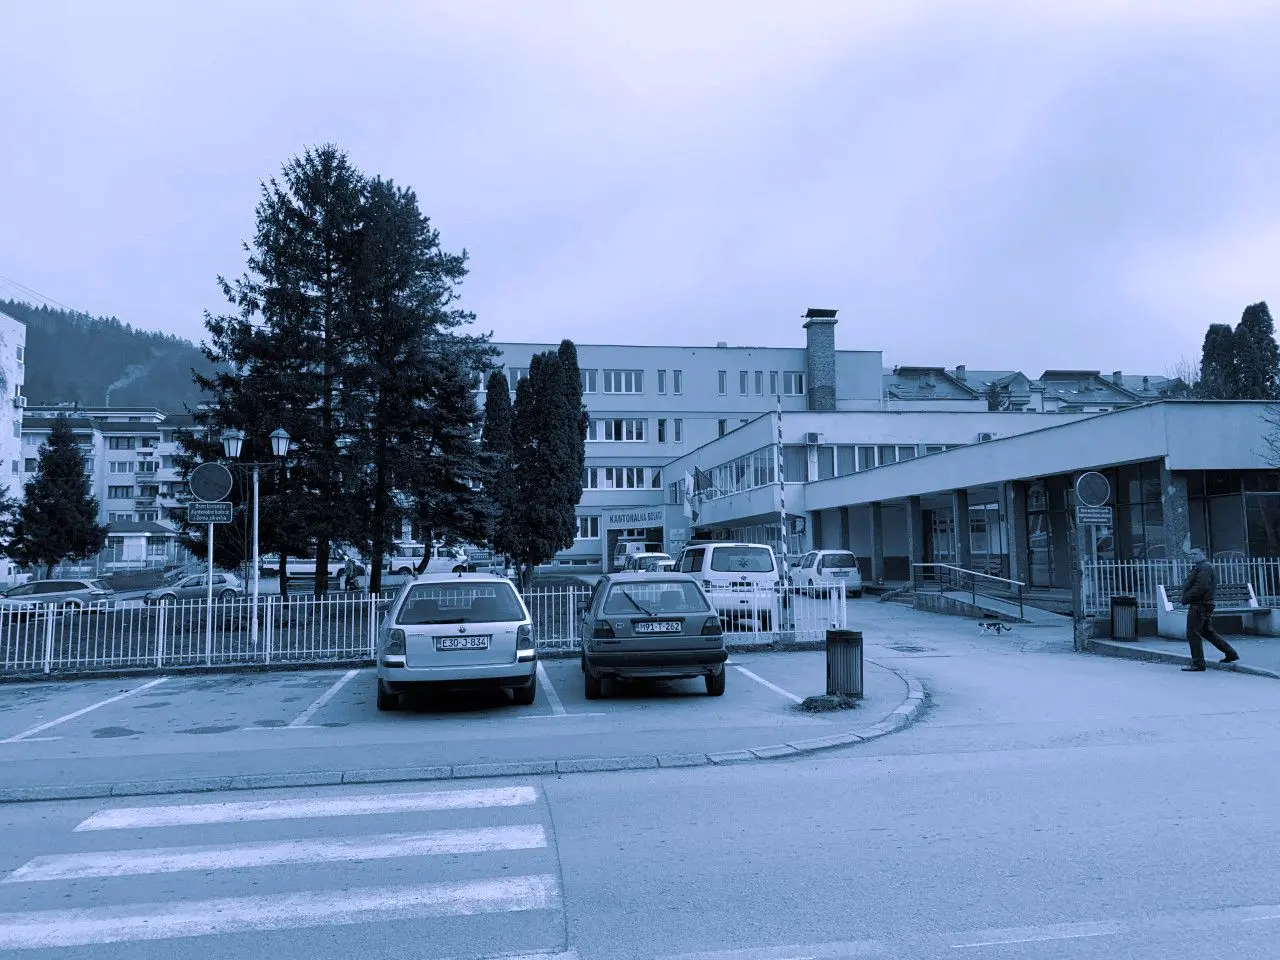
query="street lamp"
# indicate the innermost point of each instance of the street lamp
(232, 444)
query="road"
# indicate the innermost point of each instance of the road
(1049, 806)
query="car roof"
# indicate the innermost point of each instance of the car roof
(834, 550)
(463, 577)
(636, 576)
(726, 543)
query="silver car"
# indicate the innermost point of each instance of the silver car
(64, 594)
(226, 586)
(468, 631)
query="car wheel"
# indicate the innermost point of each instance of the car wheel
(72, 606)
(524, 696)
(226, 595)
(386, 699)
(592, 685)
(715, 683)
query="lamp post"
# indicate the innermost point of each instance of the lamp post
(232, 443)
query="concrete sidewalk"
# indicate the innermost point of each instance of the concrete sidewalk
(1259, 656)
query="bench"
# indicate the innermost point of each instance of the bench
(1230, 600)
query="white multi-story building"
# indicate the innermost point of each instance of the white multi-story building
(13, 348)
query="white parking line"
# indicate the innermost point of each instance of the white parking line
(40, 728)
(557, 707)
(1053, 931)
(772, 686)
(324, 698)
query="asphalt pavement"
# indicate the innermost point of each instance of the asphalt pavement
(1047, 805)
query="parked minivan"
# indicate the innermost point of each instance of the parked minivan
(742, 580)
(823, 567)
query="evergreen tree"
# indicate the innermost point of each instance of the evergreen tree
(568, 354)
(1218, 364)
(499, 479)
(546, 447)
(287, 349)
(995, 396)
(58, 519)
(1257, 355)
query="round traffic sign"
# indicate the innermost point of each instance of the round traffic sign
(1093, 489)
(210, 482)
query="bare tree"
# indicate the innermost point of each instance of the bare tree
(1184, 375)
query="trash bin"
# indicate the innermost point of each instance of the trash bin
(1124, 617)
(844, 663)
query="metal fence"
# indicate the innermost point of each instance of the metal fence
(49, 640)
(1139, 579)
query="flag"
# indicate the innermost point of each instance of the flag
(687, 499)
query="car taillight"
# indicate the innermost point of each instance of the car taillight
(395, 643)
(711, 627)
(525, 649)
(602, 630)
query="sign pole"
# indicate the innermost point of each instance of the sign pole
(253, 606)
(208, 628)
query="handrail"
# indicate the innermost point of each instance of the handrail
(972, 573)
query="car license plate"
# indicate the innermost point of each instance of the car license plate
(665, 626)
(462, 643)
(840, 573)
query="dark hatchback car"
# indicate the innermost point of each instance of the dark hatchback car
(647, 626)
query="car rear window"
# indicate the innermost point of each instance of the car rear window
(654, 597)
(838, 561)
(428, 603)
(741, 560)
(100, 584)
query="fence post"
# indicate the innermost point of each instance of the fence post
(270, 634)
(373, 627)
(160, 631)
(48, 637)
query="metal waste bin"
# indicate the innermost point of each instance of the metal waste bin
(1124, 617)
(844, 663)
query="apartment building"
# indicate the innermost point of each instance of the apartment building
(13, 350)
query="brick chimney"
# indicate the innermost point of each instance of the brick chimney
(960, 372)
(1118, 378)
(820, 358)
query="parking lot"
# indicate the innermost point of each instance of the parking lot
(189, 725)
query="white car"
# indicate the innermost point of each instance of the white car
(462, 631)
(742, 580)
(638, 562)
(818, 570)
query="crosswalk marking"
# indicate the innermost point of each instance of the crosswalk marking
(125, 863)
(131, 818)
(160, 921)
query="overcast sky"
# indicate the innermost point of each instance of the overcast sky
(1086, 186)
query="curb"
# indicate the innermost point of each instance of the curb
(906, 713)
(1112, 648)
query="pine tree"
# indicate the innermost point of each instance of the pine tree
(1257, 355)
(1218, 377)
(495, 446)
(58, 519)
(995, 396)
(572, 378)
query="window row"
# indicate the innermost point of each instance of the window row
(622, 478)
(633, 430)
(611, 381)
(790, 383)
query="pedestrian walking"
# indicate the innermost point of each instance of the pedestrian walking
(1197, 596)
(349, 574)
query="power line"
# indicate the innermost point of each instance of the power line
(28, 292)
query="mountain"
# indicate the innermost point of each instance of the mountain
(101, 361)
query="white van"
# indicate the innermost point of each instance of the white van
(627, 548)
(405, 557)
(742, 580)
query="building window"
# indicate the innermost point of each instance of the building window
(122, 466)
(677, 381)
(17, 430)
(773, 383)
(593, 429)
(156, 547)
(662, 381)
(119, 518)
(119, 493)
(618, 431)
(147, 466)
(759, 383)
(723, 377)
(907, 453)
(793, 383)
(742, 382)
(591, 478)
(624, 381)
(723, 427)
(22, 354)
(588, 528)
(662, 431)
(588, 380)
(119, 443)
(934, 448)
(846, 460)
(655, 478)
(677, 430)
(795, 464)
(623, 478)
(14, 465)
(888, 455)
(32, 464)
(826, 463)
(866, 458)
(515, 375)
(148, 516)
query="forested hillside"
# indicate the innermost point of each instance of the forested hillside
(99, 360)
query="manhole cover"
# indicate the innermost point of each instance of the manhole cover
(907, 648)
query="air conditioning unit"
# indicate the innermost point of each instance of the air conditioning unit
(984, 437)
(19, 402)
(812, 438)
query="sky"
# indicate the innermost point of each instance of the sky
(1065, 184)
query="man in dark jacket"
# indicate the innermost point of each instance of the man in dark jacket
(1197, 596)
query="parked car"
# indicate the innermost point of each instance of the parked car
(65, 594)
(304, 567)
(660, 566)
(628, 548)
(742, 580)
(635, 626)
(641, 561)
(468, 630)
(226, 586)
(405, 558)
(824, 567)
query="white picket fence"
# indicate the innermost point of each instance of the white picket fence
(300, 630)
(1139, 579)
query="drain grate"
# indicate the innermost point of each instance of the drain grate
(908, 648)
